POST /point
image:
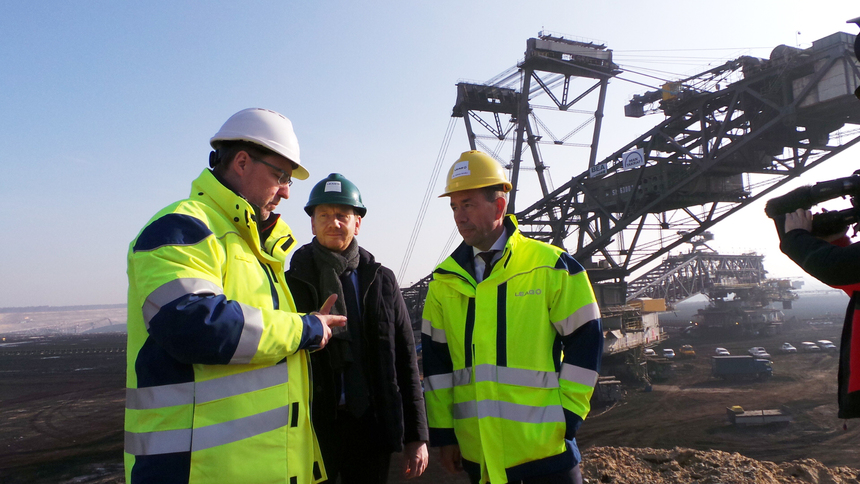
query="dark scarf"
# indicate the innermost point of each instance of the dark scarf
(332, 266)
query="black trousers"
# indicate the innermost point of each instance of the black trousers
(573, 476)
(351, 451)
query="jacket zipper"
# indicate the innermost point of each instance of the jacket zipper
(276, 304)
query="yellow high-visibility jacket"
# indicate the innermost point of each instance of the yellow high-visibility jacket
(494, 378)
(218, 386)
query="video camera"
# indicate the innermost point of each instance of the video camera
(826, 223)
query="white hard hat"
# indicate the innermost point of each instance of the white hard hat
(266, 128)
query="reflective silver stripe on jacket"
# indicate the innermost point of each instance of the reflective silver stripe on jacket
(506, 375)
(246, 382)
(579, 374)
(252, 331)
(438, 382)
(168, 441)
(149, 398)
(173, 290)
(508, 411)
(516, 376)
(436, 334)
(462, 377)
(164, 442)
(241, 428)
(586, 313)
(160, 396)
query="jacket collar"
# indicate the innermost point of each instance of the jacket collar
(460, 265)
(208, 189)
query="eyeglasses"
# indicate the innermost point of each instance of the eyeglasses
(284, 179)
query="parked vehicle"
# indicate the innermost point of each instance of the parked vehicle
(808, 346)
(738, 416)
(759, 352)
(826, 345)
(721, 352)
(686, 351)
(788, 348)
(650, 352)
(608, 389)
(668, 353)
(739, 367)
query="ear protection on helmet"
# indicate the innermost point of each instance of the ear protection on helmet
(214, 158)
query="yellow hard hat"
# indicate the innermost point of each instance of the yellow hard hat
(475, 169)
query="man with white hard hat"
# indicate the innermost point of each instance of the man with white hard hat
(218, 384)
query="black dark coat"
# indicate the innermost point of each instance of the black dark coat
(838, 267)
(391, 367)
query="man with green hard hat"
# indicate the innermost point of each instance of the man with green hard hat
(367, 395)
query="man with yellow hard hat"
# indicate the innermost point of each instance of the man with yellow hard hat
(502, 403)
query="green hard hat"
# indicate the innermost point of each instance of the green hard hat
(335, 189)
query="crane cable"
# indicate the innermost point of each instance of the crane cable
(447, 249)
(431, 185)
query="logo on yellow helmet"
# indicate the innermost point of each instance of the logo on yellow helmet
(460, 169)
(475, 169)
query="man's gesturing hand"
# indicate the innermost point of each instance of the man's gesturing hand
(329, 320)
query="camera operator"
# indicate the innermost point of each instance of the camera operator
(830, 257)
(833, 260)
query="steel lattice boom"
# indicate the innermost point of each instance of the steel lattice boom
(683, 276)
(715, 153)
(730, 136)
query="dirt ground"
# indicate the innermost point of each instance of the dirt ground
(61, 408)
(62, 398)
(689, 408)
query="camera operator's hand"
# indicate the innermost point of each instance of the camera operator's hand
(799, 219)
(802, 219)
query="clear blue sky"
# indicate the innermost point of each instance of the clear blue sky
(107, 109)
